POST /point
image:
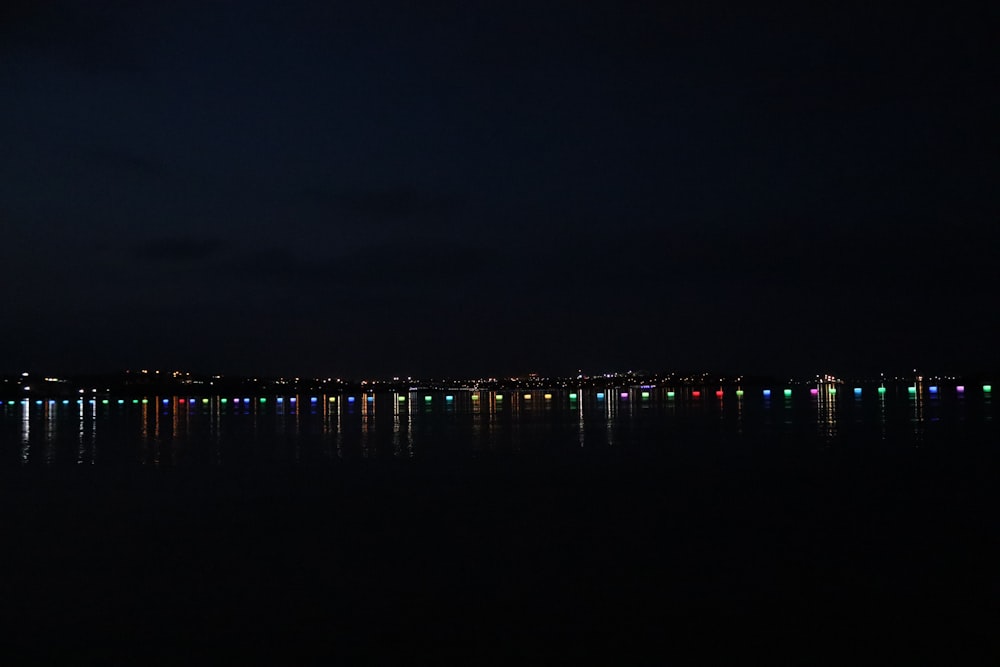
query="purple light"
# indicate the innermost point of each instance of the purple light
(624, 394)
(814, 392)
(960, 388)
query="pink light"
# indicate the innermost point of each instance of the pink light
(814, 391)
(960, 388)
(624, 394)
(696, 393)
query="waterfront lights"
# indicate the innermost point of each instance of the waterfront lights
(104, 402)
(313, 399)
(624, 395)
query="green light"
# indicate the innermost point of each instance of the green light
(427, 399)
(788, 393)
(134, 401)
(475, 397)
(263, 400)
(911, 390)
(833, 390)
(671, 394)
(987, 388)
(572, 397)
(881, 390)
(204, 401)
(145, 401)
(104, 402)
(402, 399)
(499, 397)
(645, 394)
(739, 393)
(224, 400)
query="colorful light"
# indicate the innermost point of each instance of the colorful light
(121, 401)
(474, 397)
(718, 393)
(881, 391)
(401, 399)
(572, 397)
(857, 391)
(427, 399)
(932, 389)
(739, 393)
(645, 394)
(624, 394)
(499, 397)
(293, 399)
(449, 398)
(696, 393)
(788, 393)
(313, 399)
(263, 400)
(911, 390)
(333, 399)
(104, 402)
(600, 395)
(833, 391)
(814, 391)
(671, 394)
(221, 400)
(371, 399)
(146, 400)
(960, 389)
(548, 397)
(767, 393)
(350, 399)
(246, 400)
(987, 388)
(527, 397)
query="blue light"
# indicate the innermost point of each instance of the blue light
(449, 398)
(600, 395)
(280, 399)
(932, 389)
(312, 399)
(767, 393)
(65, 402)
(857, 391)
(38, 402)
(350, 399)
(371, 399)
(292, 399)
(246, 400)
(166, 401)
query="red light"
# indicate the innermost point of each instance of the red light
(696, 393)
(719, 393)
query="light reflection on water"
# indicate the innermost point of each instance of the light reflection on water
(183, 430)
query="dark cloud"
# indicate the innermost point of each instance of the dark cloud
(179, 249)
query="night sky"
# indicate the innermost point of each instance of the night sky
(466, 188)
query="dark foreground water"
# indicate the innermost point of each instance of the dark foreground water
(532, 531)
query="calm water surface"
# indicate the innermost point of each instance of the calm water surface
(459, 425)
